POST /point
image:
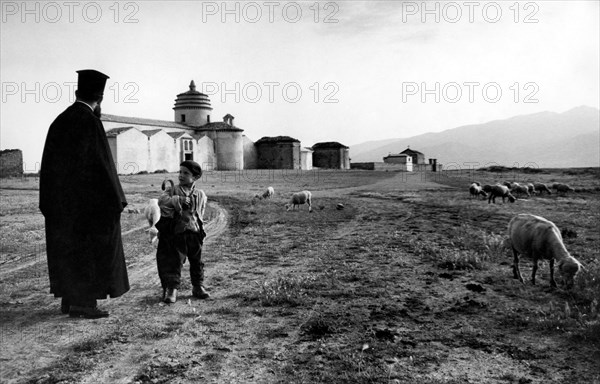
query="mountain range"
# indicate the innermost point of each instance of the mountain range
(544, 139)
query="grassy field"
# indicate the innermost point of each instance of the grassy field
(409, 283)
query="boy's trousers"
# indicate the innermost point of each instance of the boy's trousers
(171, 254)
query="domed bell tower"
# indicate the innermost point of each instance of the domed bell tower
(192, 107)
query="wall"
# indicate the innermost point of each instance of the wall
(306, 160)
(380, 167)
(131, 156)
(196, 116)
(161, 154)
(284, 155)
(204, 154)
(335, 158)
(229, 150)
(250, 154)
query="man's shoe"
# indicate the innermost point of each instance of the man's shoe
(200, 292)
(171, 295)
(87, 312)
(64, 306)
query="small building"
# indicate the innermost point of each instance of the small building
(417, 157)
(11, 163)
(331, 155)
(306, 158)
(279, 152)
(404, 161)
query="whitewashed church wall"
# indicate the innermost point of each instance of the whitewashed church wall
(131, 158)
(161, 153)
(230, 151)
(204, 153)
(249, 153)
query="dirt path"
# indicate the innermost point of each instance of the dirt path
(34, 335)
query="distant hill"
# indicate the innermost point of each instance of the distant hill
(545, 139)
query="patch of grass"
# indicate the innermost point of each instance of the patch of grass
(285, 290)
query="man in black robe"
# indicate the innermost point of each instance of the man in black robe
(81, 199)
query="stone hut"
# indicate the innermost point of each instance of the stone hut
(11, 163)
(279, 152)
(331, 155)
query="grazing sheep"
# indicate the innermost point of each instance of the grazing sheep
(152, 213)
(520, 189)
(487, 188)
(268, 193)
(563, 188)
(530, 188)
(538, 238)
(475, 190)
(500, 191)
(541, 187)
(298, 199)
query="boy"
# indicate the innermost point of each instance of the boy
(181, 233)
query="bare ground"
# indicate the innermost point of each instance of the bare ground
(380, 291)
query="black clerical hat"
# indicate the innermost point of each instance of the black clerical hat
(91, 82)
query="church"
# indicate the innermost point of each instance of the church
(147, 145)
(139, 144)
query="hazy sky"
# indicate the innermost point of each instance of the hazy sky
(344, 71)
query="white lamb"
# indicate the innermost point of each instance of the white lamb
(298, 199)
(531, 188)
(268, 193)
(475, 190)
(538, 238)
(152, 213)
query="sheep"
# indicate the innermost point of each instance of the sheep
(562, 188)
(530, 188)
(268, 193)
(510, 185)
(503, 191)
(538, 238)
(541, 187)
(487, 188)
(475, 190)
(520, 189)
(298, 199)
(152, 213)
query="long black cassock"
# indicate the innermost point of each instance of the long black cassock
(81, 199)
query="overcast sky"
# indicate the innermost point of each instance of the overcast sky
(347, 71)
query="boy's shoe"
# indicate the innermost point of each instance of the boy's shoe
(171, 295)
(200, 292)
(87, 312)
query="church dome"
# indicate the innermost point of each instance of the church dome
(192, 99)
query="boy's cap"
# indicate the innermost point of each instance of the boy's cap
(193, 167)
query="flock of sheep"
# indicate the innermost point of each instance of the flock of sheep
(509, 190)
(529, 235)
